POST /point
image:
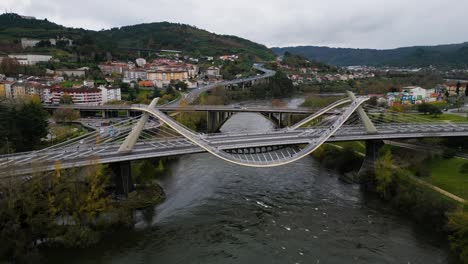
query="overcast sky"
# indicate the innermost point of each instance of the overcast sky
(337, 23)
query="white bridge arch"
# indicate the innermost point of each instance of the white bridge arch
(198, 139)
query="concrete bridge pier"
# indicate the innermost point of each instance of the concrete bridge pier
(281, 119)
(284, 120)
(212, 121)
(372, 155)
(275, 118)
(122, 176)
(216, 119)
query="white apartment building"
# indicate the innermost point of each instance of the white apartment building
(110, 94)
(30, 59)
(80, 96)
(135, 74)
(140, 62)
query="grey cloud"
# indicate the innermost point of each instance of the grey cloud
(357, 23)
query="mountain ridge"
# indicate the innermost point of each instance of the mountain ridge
(155, 35)
(438, 55)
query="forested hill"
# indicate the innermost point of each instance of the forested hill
(442, 55)
(161, 35)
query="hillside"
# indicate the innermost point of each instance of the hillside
(161, 35)
(442, 55)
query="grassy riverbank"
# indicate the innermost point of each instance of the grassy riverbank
(447, 174)
(395, 182)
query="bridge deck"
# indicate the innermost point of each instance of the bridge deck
(79, 155)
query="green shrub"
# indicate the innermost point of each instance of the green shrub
(80, 237)
(422, 170)
(464, 168)
(449, 153)
(458, 226)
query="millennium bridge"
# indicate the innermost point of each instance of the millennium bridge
(155, 134)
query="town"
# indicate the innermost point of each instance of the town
(215, 132)
(73, 86)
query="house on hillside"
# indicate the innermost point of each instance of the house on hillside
(30, 59)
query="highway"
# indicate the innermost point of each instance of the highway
(81, 155)
(194, 108)
(197, 92)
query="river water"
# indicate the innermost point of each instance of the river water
(216, 212)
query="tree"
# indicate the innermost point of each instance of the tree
(429, 109)
(424, 108)
(384, 174)
(170, 90)
(96, 200)
(466, 90)
(44, 43)
(156, 92)
(9, 66)
(131, 95)
(393, 89)
(458, 226)
(66, 99)
(435, 111)
(28, 126)
(457, 91)
(180, 86)
(66, 115)
(373, 101)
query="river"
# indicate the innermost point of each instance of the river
(217, 212)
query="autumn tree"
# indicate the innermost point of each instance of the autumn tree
(9, 66)
(66, 115)
(96, 200)
(66, 99)
(458, 226)
(384, 174)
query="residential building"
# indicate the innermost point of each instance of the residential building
(30, 59)
(29, 43)
(135, 74)
(229, 57)
(88, 83)
(166, 76)
(452, 89)
(115, 67)
(213, 71)
(418, 94)
(72, 72)
(80, 96)
(5, 89)
(18, 90)
(110, 93)
(140, 62)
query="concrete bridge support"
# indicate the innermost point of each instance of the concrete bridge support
(122, 175)
(281, 120)
(130, 141)
(365, 120)
(372, 155)
(216, 119)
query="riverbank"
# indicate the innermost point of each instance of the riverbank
(73, 208)
(394, 181)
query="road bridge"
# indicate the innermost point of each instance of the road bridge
(155, 134)
(164, 137)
